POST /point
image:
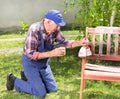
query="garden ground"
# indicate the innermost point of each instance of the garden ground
(66, 72)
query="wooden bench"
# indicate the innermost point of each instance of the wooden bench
(107, 48)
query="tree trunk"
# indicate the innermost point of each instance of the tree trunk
(113, 15)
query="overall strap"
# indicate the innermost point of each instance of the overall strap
(41, 38)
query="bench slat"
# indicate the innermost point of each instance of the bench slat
(115, 69)
(99, 75)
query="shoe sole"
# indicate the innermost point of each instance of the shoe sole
(8, 85)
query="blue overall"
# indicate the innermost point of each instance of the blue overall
(40, 79)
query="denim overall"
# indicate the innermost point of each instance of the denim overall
(38, 73)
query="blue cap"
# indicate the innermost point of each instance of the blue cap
(55, 16)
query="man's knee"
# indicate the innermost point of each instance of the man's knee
(39, 92)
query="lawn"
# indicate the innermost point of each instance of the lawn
(66, 72)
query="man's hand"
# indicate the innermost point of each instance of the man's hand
(57, 52)
(83, 42)
(61, 51)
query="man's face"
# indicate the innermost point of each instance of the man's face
(53, 27)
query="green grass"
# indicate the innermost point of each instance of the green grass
(74, 32)
(12, 44)
(10, 35)
(18, 35)
(67, 75)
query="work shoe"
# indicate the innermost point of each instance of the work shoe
(10, 81)
(23, 77)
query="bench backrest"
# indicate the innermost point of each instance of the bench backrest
(104, 43)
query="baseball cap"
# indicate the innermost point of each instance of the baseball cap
(55, 16)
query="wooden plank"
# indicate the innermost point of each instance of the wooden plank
(93, 43)
(108, 44)
(116, 44)
(97, 75)
(115, 69)
(101, 44)
(104, 57)
(110, 30)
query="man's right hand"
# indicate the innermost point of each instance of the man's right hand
(57, 52)
(61, 51)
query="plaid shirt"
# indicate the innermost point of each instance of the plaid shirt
(32, 41)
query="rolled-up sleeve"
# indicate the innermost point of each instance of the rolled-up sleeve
(67, 43)
(32, 43)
